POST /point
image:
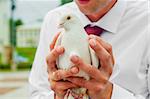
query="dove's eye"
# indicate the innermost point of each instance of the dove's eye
(68, 18)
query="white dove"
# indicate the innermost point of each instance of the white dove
(75, 41)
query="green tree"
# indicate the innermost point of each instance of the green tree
(65, 1)
(16, 23)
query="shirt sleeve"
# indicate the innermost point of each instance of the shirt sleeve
(38, 79)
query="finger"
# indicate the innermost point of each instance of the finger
(79, 81)
(51, 58)
(106, 60)
(106, 45)
(62, 74)
(62, 85)
(54, 41)
(90, 70)
(97, 87)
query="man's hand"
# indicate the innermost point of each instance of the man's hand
(55, 76)
(98, 86)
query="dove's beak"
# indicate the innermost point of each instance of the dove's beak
(61, 25)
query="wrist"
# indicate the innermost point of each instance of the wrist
(106, 93)
(109, 90)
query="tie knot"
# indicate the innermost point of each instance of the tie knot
(95, 30)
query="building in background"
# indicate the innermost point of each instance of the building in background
(28, 35)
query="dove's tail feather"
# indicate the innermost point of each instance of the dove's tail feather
(71, 95)
(79, 90)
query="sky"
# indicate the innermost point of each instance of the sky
(31, 11)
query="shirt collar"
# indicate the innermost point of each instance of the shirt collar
(110, 20)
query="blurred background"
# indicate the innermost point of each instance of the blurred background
(20, 23)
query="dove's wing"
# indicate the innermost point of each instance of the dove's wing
(94, 58)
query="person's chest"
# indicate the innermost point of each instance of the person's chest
(130, 48)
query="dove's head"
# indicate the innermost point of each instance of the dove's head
(68, 21)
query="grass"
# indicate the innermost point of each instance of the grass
(0, 58)
(28, 53)
(9, 70)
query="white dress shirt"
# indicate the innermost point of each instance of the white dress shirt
(126, 26)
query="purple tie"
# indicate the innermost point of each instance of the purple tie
(95, 30)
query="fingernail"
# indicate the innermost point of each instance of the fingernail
(74, 58)
(56, 75)
(92, 42)
(59, 49)
(74, 70)
(91, 36)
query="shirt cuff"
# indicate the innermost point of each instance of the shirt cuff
(121, 93)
